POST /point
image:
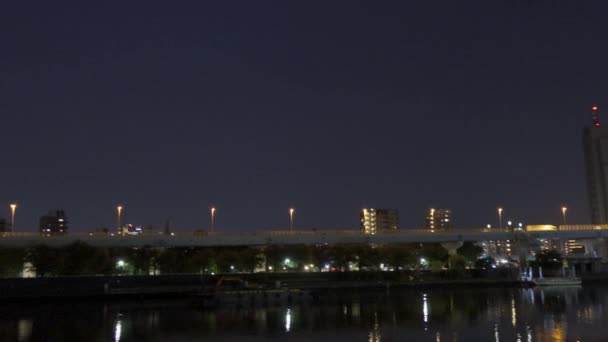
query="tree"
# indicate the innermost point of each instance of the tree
(202, 260)
(457, 262)
(45, 260)
(11, 261)
(144, 259)
(470, 251)
(78, 258)
(398, 255)
(434, 252)
(171, 260)
(485, 263)
(228, 260)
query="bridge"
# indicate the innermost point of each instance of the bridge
(310, 237)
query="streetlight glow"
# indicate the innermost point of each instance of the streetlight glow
(291, 213)
(212, 212)
(118, 218)
(564, 210)
(500, 217)
(13, 209)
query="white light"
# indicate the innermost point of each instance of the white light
(270, 268)
(306, 268)
(326, 266)
(509, 223)
(425, 309)
(422, 260)
(231, 267)
(489, 226)
(120, 263)
(288, 320)
(287, 261)
(117, 331)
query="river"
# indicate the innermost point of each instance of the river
(449, 314)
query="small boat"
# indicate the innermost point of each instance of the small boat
(557, 281)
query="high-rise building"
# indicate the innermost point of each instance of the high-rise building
(55, 222)
(438, 219)
(379, 220)
(595, 142)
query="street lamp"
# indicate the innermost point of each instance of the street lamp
(564, 210)
(118, 218)
(500, 217)
(291, 212)
(212, 212)
(13, 209)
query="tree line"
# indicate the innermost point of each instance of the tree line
(79, 258)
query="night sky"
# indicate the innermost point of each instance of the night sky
(256, 106)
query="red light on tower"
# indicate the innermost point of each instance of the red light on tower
(595, 115)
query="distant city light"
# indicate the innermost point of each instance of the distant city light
(120, 263)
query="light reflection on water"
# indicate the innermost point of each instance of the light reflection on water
(440, 315)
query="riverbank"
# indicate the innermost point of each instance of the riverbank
(50, 288)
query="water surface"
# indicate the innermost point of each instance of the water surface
(507, 314)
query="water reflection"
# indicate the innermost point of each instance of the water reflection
(523, 315)
(288, 320)
(117, 330)
(425, 309)
(374, 334)
(24, 329)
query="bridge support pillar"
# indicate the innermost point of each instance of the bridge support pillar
(451, 246)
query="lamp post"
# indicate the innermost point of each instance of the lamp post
(118, 218)
(212, 213)
(564, 210)
(13, 209)
(291, 213)
(500, 217)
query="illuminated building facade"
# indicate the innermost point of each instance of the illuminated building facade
(497, 248)
(438, 219)
(595, 142)
(379, 220)
(55, 222)
(573, 247)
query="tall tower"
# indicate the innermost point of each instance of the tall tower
(595, 143)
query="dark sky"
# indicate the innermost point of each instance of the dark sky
(255, 106)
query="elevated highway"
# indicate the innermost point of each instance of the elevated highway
(264, 238)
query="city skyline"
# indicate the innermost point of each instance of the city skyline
(328, 109)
